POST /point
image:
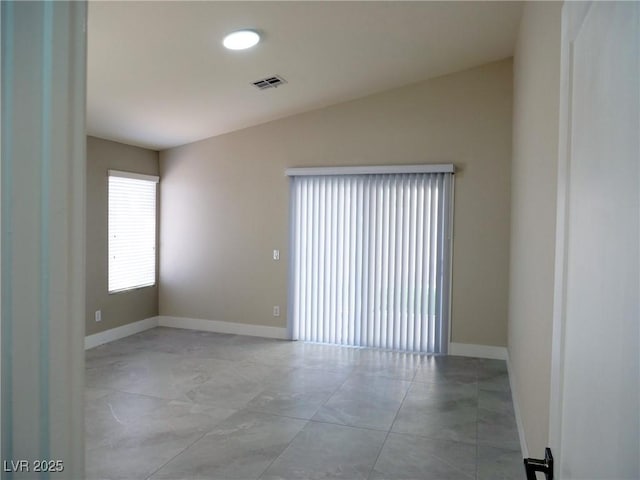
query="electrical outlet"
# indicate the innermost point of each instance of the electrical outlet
(98, 315)
(276, 254)
(276, 311)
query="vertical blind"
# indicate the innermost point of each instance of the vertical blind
(370, 260)
(132, 230)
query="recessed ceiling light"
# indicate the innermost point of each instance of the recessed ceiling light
(241, 40)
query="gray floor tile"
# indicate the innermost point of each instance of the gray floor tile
(130, 436)
(298, 393)
(241, 447)
(443, 392)
(447, 369)
(122, 350)
(277, 354)
(498, 429)
(364, 401)
(111, 417)
(236, 348)
(103, 370)
(496, 381)
(499, 464)
(235, 385)
(328, 357)
(226, 391)
(163, 375)
(496, 401)
(298, 404)
(412, 457)
(400, 366)
(489, 365)
(168, 400)
(323, 450)
(309, 380)
(493, 375)
(441, 411)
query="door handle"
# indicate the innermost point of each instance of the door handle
(533, 465)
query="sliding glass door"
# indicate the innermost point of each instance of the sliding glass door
(371, 259)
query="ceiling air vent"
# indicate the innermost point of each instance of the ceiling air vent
(269, 82)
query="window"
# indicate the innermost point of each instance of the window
(370, 264)
(132, 230)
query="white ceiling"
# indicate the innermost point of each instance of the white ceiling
(158, 75)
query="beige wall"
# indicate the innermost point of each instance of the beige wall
(533, 215)
(125, 307)
(225, 199)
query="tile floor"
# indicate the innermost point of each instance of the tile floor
(181, 404)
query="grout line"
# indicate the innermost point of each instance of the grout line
(336, 390)
(283, 450)
(308, 421)
(281, 415)
(395, 417)
(448, 463)
(177, 454)
(357, 427)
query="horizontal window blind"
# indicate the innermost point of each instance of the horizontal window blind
(370, 260)
(132, 231)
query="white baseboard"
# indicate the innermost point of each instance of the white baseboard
(516, 410)
(223, 327)
(117, 333)
(480, 351)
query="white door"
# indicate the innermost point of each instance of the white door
(595, 402)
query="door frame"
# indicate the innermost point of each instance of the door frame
(573, 16)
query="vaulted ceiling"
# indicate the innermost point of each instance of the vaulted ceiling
(158, 75)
